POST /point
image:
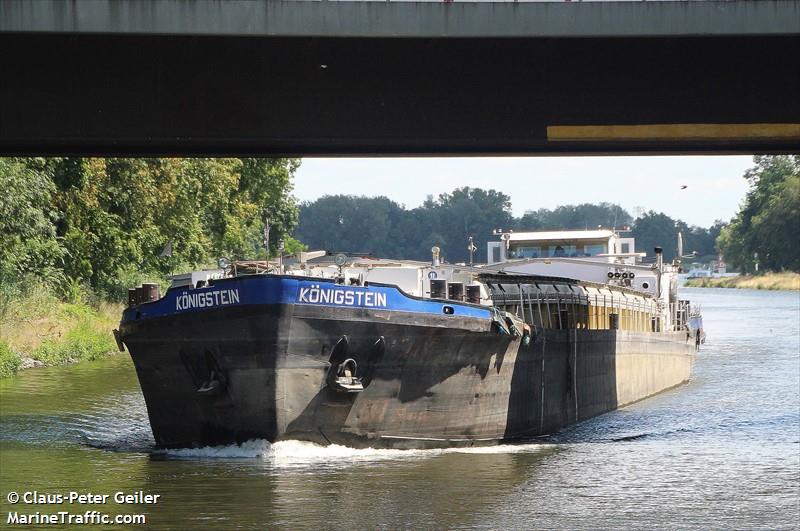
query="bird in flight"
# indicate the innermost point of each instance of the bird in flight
(684, 186)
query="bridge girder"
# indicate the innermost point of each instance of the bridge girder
(72, 89)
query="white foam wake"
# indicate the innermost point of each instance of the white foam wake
(250, 449)
(302, 453)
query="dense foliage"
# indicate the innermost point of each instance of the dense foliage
(765, 231)
(104, 222)
(385, 228)
(27, 220)
(583, 216)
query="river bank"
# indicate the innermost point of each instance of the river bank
(37, 329)
(787, 281)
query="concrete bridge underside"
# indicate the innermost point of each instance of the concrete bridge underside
(74, 84)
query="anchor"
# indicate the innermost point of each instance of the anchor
(346, 379)
(343, 375)
(212, 386)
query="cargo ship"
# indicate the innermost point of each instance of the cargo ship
(348, 349)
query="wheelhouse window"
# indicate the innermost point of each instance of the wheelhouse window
(529, 252)
(594, 250)
(557, 251)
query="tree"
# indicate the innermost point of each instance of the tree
(97, 219)
(352, 224)
(577, 217)
(383, 227)
(27, 221)
(699, 240)
(267, 185)
(467, 212)
(530, 221)
(656, 229)
(764, 229)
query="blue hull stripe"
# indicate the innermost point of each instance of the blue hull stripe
(263, 289)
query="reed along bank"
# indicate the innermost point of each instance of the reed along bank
(786, 281)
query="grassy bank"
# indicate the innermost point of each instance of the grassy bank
(773, 281)
(37, 328)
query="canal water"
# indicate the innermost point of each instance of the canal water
(722, 451)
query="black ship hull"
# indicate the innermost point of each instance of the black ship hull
(263, 371)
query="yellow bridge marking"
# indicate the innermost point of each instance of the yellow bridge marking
(687, 132)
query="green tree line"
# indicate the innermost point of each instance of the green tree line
(387, 229)
(103, 222)
(765, 230)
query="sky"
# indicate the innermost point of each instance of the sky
(715, 184)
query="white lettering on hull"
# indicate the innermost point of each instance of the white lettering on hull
(206, 299)
(341, 297)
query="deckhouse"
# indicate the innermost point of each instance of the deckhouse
(602, 243)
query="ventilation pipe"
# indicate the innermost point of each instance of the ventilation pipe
(435, 256)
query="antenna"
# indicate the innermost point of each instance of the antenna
(471, 248)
